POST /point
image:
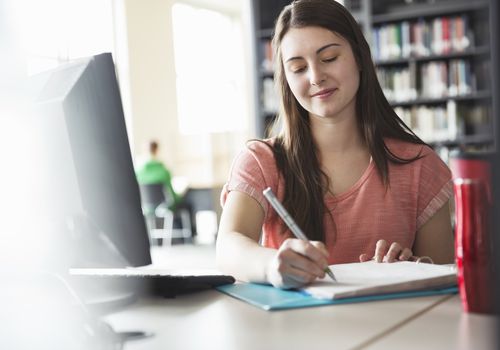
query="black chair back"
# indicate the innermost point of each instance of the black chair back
(152, 195)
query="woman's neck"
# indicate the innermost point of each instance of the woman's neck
(336, 136)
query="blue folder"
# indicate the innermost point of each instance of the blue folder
(269, 298)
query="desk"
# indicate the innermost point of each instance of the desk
(444, 327)
(212, 320)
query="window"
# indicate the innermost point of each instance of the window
(56, 31)
(209, 69)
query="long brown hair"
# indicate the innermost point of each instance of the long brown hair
(294, 147)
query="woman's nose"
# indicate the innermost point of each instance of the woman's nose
(317, 76)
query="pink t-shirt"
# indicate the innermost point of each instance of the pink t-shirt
(363, 214)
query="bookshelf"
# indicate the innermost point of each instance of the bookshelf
(263, 15)
(434, 65)
(433, 59)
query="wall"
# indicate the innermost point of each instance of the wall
(145, 61)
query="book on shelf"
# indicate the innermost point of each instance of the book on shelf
(438, 124)
(422, 37)
(434, 77)
(398, 84)
(372, 278)
(438, 79)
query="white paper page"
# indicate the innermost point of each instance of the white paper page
(371, 278)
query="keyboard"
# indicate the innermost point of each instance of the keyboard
(154, 281)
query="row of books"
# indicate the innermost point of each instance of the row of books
(431, 124)
(437, 36)
(446, 123)
(437, 79)
(441, 79)
(398, 84)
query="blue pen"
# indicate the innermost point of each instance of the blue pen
(283, 213)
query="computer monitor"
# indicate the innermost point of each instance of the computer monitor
(89, 175)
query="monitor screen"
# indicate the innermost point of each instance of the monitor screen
(87, 155)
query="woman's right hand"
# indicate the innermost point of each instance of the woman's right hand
(297, 263)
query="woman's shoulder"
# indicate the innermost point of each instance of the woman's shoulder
(426, 159)
(260, 145)
(406, 149)
(259, 149)
(256, 153)
(254, 169)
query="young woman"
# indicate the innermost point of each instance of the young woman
(357, 181)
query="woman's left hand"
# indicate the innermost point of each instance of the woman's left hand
(388, 253)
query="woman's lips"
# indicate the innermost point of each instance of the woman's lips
(324, 93)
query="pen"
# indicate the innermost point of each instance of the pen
(283, 213)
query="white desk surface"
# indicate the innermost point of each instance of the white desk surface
(445, 327)
(212, 320)
(216, 321)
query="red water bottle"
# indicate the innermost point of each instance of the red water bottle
(473, 205)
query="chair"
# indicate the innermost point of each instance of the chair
(155, 202)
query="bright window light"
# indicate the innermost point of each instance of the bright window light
(55, 31)
(209, 69)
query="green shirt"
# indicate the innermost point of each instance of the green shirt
(154, 172)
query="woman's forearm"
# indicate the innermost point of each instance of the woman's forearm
(242, 257)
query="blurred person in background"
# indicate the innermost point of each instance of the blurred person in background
(153, 171)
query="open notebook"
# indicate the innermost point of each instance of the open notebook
(357, 282)
(371, 278)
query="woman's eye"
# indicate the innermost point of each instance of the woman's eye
(298, 70)
(331, 59)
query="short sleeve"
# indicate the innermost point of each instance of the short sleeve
(253, 170)
(435, 186)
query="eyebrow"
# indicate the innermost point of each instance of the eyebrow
(317, 52)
